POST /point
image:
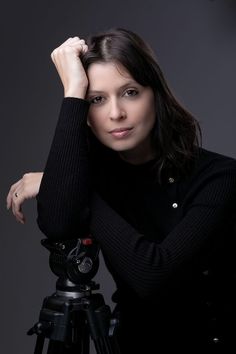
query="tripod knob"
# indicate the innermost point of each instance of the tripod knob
(40, 328)
(114, 323)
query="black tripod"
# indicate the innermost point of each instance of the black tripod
(74, 313)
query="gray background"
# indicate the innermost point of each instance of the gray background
(195, 42)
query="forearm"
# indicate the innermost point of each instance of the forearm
(146, 265)
(63, 194)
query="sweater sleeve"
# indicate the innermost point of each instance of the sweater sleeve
(67, 210)
(66, 174)
(144, 265)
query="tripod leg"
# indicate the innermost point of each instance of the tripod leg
(99, 321)
(78, 344)
(103, 345)
(39, 345)
(56, 347)
(106, 345)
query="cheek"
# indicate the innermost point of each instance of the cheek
(146, 116)
(97, 118)
(151, 112)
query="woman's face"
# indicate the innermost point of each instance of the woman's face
(122, 112)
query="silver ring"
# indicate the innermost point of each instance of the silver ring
(16, 195)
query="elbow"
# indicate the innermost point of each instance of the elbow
(61, 232)
(52, 231)
(57, 229)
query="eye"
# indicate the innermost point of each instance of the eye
(96, 100)
(131, 92)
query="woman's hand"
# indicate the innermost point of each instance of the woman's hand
(26, 188)
(66, 59)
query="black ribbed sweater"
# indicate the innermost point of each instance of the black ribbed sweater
(157, 239)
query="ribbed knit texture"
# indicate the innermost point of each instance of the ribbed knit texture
(66, 174)
(150, 246)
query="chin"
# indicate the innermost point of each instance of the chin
(120, 146)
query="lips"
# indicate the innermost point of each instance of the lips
(121, 132)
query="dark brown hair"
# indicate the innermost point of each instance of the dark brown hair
(176, 133)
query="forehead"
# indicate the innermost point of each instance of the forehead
(102, 75)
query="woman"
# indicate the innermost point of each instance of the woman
(126, 167)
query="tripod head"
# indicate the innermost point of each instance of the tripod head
(73, 313)
(75, 262)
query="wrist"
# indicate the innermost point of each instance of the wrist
(81, 93)
(77, 91)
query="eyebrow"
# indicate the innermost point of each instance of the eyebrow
(129, 83)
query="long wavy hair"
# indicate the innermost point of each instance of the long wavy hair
(176, 133)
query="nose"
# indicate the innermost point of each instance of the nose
(117, 112)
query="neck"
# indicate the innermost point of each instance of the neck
(137, 159)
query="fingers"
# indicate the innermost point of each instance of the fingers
(74, 41)
(27, 187)
(18, 200)
(15, 199)
(71, 44)
(11, 193)
(66, 59)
